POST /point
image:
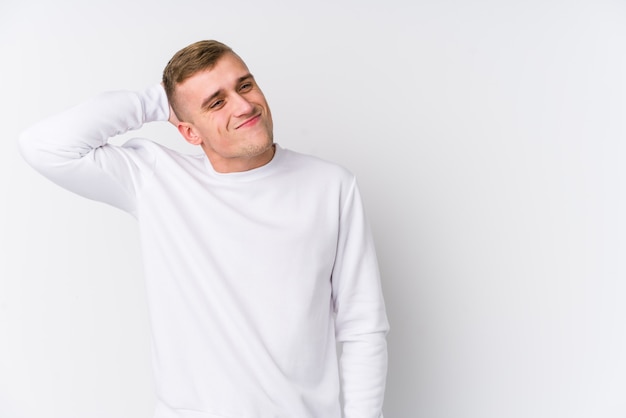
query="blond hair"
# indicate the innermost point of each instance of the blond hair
(199, 56)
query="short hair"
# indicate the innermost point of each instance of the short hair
(199, 56)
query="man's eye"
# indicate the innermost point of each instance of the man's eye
(216, 104)
(245, 87)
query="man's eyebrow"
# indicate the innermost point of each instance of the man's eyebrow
(208, 100)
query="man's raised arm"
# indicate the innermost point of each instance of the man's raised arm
(72, 149)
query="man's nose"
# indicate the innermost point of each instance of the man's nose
(242, 106)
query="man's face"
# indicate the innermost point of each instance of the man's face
(227, 114)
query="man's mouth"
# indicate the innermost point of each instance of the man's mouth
(250, 122)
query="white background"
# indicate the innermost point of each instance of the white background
(488, 139)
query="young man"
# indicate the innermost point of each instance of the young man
(258, 259)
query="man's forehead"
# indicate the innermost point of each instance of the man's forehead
(226, 72)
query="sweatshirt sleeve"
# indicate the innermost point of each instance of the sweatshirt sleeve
(361, 321)
(72, 149)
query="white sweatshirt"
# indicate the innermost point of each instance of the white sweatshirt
(252, 277)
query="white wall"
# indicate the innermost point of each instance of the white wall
(488, 137)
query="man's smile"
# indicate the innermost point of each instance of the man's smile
(249, 122)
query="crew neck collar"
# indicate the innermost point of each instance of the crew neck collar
(247, 175)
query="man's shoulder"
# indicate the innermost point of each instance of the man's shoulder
(155, 150)
(314, 164)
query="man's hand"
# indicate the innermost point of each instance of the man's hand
(173, 119)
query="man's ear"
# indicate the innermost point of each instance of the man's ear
(189, 133)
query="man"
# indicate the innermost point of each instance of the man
(258, 259)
